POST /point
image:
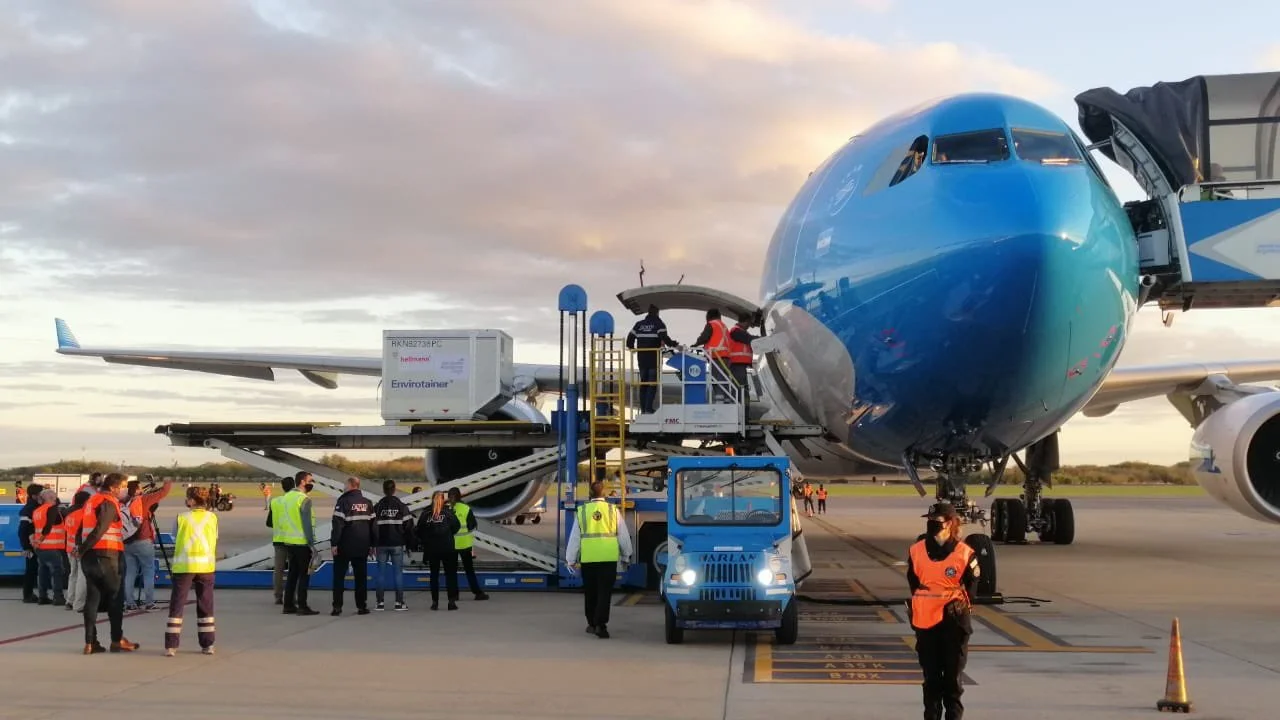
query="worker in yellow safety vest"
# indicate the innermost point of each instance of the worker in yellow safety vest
(195, 548)
(942, 571)
(275, 509)
(464, 542)
(296, 531)
(599, 539)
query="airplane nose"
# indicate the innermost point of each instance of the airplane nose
(1031, 303)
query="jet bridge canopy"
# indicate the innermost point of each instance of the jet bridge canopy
(1203, 129)
(687, 297)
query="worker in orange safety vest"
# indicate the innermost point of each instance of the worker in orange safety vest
(50, 542)
(715, 341)
(942, 572)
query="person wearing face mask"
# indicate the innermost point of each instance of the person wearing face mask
(297, 533)
(942, 572)
(195, 549)
(100, 552)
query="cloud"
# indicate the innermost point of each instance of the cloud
(480, 153)
(1269, 60)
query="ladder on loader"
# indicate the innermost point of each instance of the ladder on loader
(607, 397)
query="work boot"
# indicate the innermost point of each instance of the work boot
(364, 611)
(59, 600)
(453, 605)
(591, 629)
(123, 645)
(482, 596)
(336, 612)
(43, 600)
(93, 649)
(602, 632)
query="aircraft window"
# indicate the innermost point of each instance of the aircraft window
(982, 146)
(911, 162)
(1045, 147)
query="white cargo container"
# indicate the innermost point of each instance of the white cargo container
(65, 484)
(445, 374)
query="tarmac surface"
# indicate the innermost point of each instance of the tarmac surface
(1084, 634)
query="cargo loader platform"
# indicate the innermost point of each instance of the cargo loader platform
(1205, 151)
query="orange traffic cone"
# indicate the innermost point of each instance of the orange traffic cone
(1175, 684)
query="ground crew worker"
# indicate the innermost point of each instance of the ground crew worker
(20, 493)
(50, 543)
(140, 548)
(599, 539)
(76, 585)
(26, 529)
(807, 489)
(351, 543)
(297, 533)
(648, 336)
(464, 542)
(100, 550)
(715, 340)
(738, 346)
(942, 572)
(436, 527)
(195, 546)
(392, 531)
(822, 499)
(266, 495)
(275, 521)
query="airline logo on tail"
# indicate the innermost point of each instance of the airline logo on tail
(66, 338)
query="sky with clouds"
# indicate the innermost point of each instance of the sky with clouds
(292, 175)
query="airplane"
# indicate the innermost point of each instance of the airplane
(945, 291)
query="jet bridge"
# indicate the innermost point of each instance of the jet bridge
(1205, 151)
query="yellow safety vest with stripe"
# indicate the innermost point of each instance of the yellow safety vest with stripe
(462, 539)
(195, 543)
(598, 527)
(291, 533)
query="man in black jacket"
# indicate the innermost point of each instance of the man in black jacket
(392, 531)
(25, 531)
(352, 544)
(649, 336)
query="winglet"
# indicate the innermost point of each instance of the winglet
(66, 338)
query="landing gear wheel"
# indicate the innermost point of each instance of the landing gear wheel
(1015, 526)
(1064, 522)
(986, 554)
(536, 519)
(999, 519)
(1050, 523)
(790, 630)
(675, 635)
(519, 519)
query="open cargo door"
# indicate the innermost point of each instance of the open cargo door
(687, 297)
(1205, 150)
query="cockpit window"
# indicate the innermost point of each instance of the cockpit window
(982, 146)
(911, 162)
(1045, 147)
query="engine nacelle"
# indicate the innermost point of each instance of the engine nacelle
(445, 465)
(1235, 456)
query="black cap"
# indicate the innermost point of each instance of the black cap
(941, 510)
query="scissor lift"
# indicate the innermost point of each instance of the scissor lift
(1205, 151)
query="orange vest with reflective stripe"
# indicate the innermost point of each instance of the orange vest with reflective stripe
(71, 524)
(718, 346)
(56, 538)
(739, 353)
(939, 583)
(822, 494)
(113, 538)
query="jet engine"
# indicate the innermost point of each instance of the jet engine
(445, 465)
(1235, 456)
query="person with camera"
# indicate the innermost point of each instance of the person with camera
(100, 549)
(942, 572)
(140, 542)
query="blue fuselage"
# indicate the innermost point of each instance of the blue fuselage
(937, 299)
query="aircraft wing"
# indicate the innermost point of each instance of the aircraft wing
(1139, 383)
(323, 370)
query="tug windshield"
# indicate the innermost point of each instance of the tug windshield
(729, 496)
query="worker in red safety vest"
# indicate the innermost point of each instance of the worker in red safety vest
(715, 341)
(739, 351)
(942, 572)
